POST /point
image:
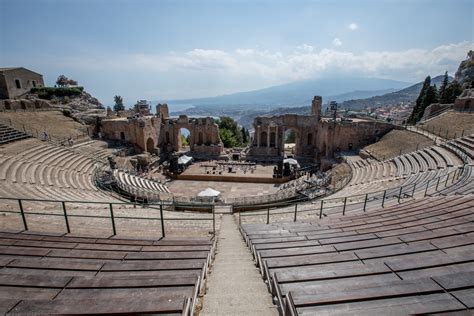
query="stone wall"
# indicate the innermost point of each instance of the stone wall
(161, 134)
(465, 102)
(24, 105)
(26, 79)
(203, 135)
(344, 135)
(315, 138)
(141, 131)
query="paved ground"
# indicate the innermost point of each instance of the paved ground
(188, 188)
(235, 286)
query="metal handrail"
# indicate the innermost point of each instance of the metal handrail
(112, 216)
(397, 193)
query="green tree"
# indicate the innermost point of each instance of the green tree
(430, 97)
(228, 138)
(443, 98)
(184, 140)
(230, 132)
(62, 81)
(245, 138)
(453, 90)
(417, 112)
(118, 103)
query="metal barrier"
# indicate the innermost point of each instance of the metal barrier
(360, 201)
(112, 216)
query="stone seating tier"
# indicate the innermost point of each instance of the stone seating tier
(416, 257)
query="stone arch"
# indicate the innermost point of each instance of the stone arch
(200, 138)
(150, 145)
(310, 139)
(184, 137)
(323, 150)
(290, 140)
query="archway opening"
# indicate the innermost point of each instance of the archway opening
(150, 145)
(263, 139)
(200, 138)
(272, 139)
(184, 139)
(290, 142)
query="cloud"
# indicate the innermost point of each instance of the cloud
(336, 42)
(353, 26)
(204, 72)
(305, 48)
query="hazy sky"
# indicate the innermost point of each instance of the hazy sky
(179, 49)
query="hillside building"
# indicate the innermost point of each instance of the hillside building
(15, 82)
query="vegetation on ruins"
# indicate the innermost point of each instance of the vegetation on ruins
(290, 137)
(231, 134)
(184, 140)
(48, 93)
(118, 106)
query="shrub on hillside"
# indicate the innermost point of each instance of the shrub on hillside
(48, 92)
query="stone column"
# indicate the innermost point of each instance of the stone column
(276, 136)
(258, 135)
(268, 136)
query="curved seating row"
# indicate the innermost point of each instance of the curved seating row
(60, 274)
(140, 183)
(416, 167)
(465, 185)
(412, 258)
(49, 172)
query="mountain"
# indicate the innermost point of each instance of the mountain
(407, 95)
(300, 93)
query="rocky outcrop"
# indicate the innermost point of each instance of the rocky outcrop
(85, 102)
(465, 73)
(89, 117)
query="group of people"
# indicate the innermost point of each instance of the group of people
(233, 166)
(46, 137)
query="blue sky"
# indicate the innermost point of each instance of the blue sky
(179, 49)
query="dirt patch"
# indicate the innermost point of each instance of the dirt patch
(397, 142)
(450, 124)
(55, 123)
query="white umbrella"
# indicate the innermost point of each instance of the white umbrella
(291, 161)
(208, 193)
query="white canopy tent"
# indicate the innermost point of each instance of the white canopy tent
(184, 160)
(291, 161)
(208, 193)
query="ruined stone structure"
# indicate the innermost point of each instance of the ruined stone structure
(15, 82)
(141, 131)
(465, 102)
(203, 133)
(161, 134)
(23, 105)
(315, 138)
